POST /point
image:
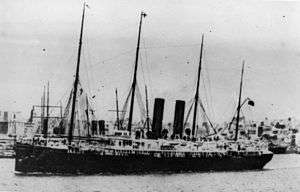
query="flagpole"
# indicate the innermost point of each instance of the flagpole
(239, 105)
(133, 86)
(70, 134)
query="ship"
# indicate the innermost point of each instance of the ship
(10, 122)
(93, 152)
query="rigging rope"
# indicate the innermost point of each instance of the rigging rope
(86, 71)
(150, 81)
(202, 107)
(88, 64)
(142, 68)
(188, 114)
(140, 103)
(212, 109)
(124, 109)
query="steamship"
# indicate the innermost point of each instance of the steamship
(129, 151)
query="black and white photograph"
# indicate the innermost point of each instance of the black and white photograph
(149, 96)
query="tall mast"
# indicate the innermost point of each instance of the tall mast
(147, 110)
(70, 135)
(61, 114)
(239, 105)
(87, 116)
(46, 120)
(43, 110)
(47, 107)
(134, 76)
(197, 89)
(117, 107)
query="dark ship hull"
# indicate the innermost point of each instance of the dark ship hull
(278, 149)
(38, 159)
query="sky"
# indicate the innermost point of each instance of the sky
(39, 42)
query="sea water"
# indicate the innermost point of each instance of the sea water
(282, 173)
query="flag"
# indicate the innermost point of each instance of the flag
(144, 14)
(87, 6)
(251, 103)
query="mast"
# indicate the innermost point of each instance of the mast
(117, 107)
(70, 134)
(147, 110)
(197, 89)
(87, 116)
(239, 105)
(47, 107)
(46, 120)
(134, 76)
(61, 113)
(43, 110)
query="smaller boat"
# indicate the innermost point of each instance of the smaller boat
(278, 147)
(280, 135)
(8, 127)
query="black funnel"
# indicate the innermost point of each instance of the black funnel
(178, 118)
(94, 127)
(158, 113)
(45, 127)
(101, 127)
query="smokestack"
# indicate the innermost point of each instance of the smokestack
(178, 118)
(45, 127)
(94, 127)
(101, 127)
(158, 113)
(4, 125)
(260, 131)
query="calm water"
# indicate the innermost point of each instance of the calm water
(281, 174)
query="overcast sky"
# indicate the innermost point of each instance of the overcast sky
(39, 39)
